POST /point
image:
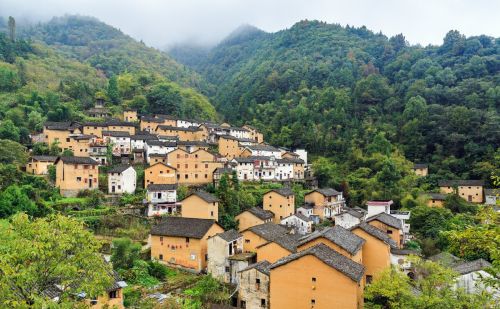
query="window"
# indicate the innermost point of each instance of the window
(227, 269)
(313, 279)
(206, 165)
(389, 232)
(262, 302)
(161, 238)
(196, 176)
(78, 178)
(257, 281)
(186, 176)
(313, 302)
(369, 279)
(187, 240)
(160, 257)
(185, 165)
(211, 213)
(113, 294)
(247, 241)
(243, 304)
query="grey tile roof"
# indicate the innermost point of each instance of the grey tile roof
(326, 192)
(83, 137)
(207, 197)
(420, 165)
(160, 143)
(340, 236)
(445, 258)
(230, 235)
(351, 211)
(44, 158)
(375, 232)
(302, 217)
(472, 266)
(290, 161)
(182, 227)
(189, 129)
(282, 191)
(252, 159)
(469, 182)
(192, 143)
(287, 241)
(491, 192)
(262, 266)
(77, 160)
(269, 231)
(222, 170)
(119, 169)
(262, 147)
(116, 133)
(261, 213)
(144, 137)
(161, 187)
(436, 196)
(62, 126)
(330, 257)
(404, 251)
(387, 219)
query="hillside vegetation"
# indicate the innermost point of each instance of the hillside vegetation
(338, 90)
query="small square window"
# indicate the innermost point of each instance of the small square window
(313, 302)
(313, 279)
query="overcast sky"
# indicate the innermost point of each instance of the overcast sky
(166, 22)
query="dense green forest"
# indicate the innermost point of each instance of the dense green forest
(336, 90)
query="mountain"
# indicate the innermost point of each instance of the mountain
(332, 89)
(110, 50)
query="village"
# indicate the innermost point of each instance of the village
(331, 251)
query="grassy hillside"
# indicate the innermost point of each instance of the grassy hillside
(334, 89)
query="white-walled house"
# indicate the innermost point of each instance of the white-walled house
(263, 150)
(376, 207)
(158, 147)
(256, 168)
(301, 223)
(471, 274)
(122, 179)
(239, 132)
(348, 217)
(284, 169)
(307, 210)
(186, 123)
(162, 199)
(220, 248)
(491, 196)
(138, 141)
(120, 141)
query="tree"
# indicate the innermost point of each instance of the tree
(125, 253)
(164, 98)
(36, 254)
(112, 91)
(13, 200)
(12, 28)
(8, 130)
(12, 153)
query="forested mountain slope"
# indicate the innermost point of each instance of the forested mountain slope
(334, 89)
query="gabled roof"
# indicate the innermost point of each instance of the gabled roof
(468, 182)
(183, 227)
(116, 133)
(207, 197)
(282, 191)
(269, 231)
(343, 238)
(420, 165)
(491, 192)
(472, 266)
(326, 192)
(166, 165)
(398, 251)
(44, 158)
(160, 143)
(262, 266)
(222, 170)
(383, 203)
(119, 169)
(192, 143)
(77, 160)
(286, 241)
(436, 196)
(230, 235)
(188, 129)
(161, 187)
(62, 126)
(83, 137)
(290, 161)
(387, 219)
(302, 217)
(252, 159)
(262, 147)
(261, 213)
(145, 137)
(350, 211)
(328, 256)
(375, 232)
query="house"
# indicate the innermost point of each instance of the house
(122, 179)
(254, 134)
(327, 202)
(157, 147)
(348, 217)
(376, 207)
(75, 174)
(252, 217)
(376, 253)
(261, 234)
(220, 171)
(307, 210)
(220, 248)
(471, 276)
(130, 115)
(435, 199)
(162, 200)
(96, 128)
(150, 123)
(182, 242)
(401, 258)
(99, 111)
(192, 146)
(98, 150)
(253, 291)
(193, 168)
(469, 190)
(60, 132)
(255, 168)
(261, 150)
(421, 169)
(80, 144)
(281, 202)
(200, 204)
(338, 238)
(404, 217)
(138, 141)
(239, 132)
(119, 141)
(318, 277)
(491, 196)
(156, 158)
(39, 165)
(230, 146)
(193, 133)
(160, 173)
(391, 225)
(284, 169)
(112, 298)
(301, 223)
(187, 123)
